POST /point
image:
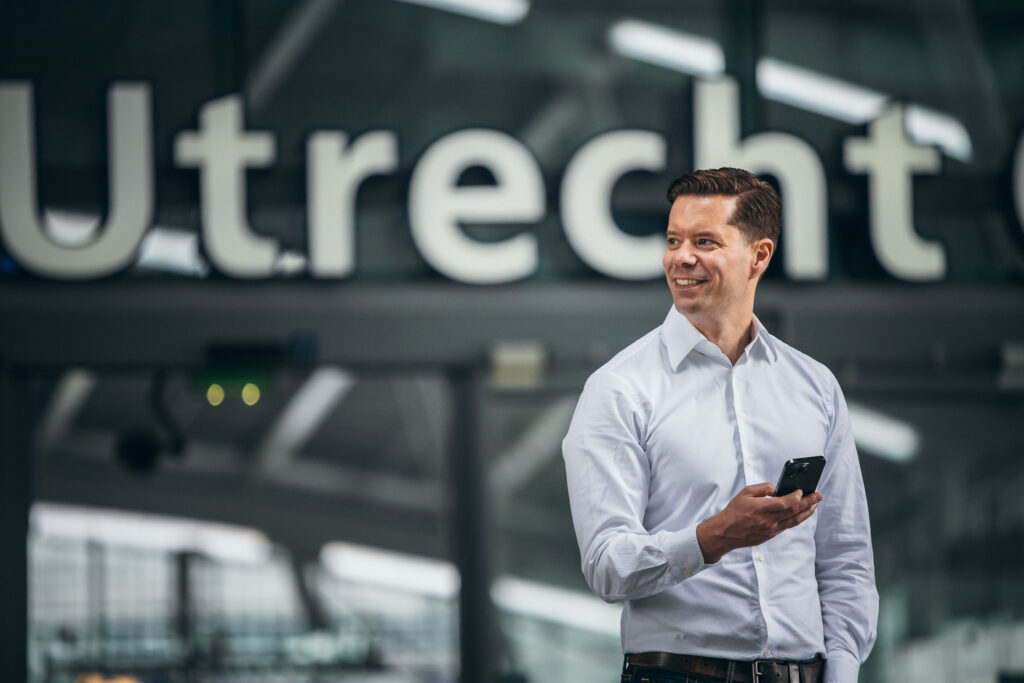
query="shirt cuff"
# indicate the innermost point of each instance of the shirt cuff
(841, 667)
(685, 558)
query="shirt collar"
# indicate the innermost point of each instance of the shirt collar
(680, 337)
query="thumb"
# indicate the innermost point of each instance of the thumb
(759, 490)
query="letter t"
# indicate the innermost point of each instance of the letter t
(888, 158)
(222, 152)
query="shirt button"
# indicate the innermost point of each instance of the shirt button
(750, 461)
(687, 573)
(767, 653)
(760, 557)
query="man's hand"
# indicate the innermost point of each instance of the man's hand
(751, 518)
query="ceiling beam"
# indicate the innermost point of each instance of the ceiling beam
(368, 328)
(216, 460)
(538, 444)
(285, 49)
(314, 402)
(72, 391)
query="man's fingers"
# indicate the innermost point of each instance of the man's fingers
(797, 501)
(787, 505)
(799, 517)
(759, 490)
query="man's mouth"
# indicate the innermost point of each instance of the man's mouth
(687, 282)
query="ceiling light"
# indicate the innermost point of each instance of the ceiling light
(928, 127)
(70, 228)
(223, 541)
(571, 608)
(883, 435)
(290, 263)
(388, 569)
(250, 394)
(215, 394)
(173, 251)
(498, 11)
(665, 47)
(852, 103)
(817, 92)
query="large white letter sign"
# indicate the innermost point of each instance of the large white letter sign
(437, 205)
(791, 160)
(889, 158)
(130, 158)
(586, 204)
(335, 169)
(222, 152)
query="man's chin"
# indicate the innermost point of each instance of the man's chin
(688, 307)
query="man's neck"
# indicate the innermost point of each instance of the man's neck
(730, 336)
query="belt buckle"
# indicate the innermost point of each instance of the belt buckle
(756, 669)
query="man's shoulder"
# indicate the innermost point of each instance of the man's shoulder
(632, 363)
(795, 359)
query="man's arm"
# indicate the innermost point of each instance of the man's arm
(844, 564)
(608, 476)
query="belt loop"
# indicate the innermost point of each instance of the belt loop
(794, 673)
(730, 671)
(625, 663)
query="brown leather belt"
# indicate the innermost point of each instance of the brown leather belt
(759, 671)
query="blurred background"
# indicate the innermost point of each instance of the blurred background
(296, 300)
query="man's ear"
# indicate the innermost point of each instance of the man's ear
(762, 251)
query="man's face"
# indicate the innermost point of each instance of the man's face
(711, 267)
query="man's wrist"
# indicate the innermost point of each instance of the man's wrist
(841, 667)
(710, 541)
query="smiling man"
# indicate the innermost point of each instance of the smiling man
(670, 458)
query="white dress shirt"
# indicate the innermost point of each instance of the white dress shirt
(664, 436)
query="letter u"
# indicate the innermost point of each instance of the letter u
(130, 154)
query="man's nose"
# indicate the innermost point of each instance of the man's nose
(684, 256)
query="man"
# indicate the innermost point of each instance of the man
(670, 458)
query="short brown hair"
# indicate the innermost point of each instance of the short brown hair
(758, 211)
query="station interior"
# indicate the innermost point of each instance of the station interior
(297, 300)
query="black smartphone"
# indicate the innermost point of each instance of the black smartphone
(800, 473)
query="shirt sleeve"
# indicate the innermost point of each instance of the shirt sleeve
(608, 475)
(844, 564)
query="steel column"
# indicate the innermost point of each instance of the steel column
(471, 517)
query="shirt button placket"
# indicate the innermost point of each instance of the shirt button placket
(749, 475)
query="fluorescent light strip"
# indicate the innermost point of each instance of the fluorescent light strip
(817, 92)
(676, 50)
(498, 11)
(929, 127)
(440, 579)
(570, 608)
(174, 251)
(783, 82)
(851, 103)
(290, 263)
(222, 541)
(883, 435)
(70, 228)
(388, 569)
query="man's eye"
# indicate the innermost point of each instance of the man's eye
(672, 241)
(703, 241)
